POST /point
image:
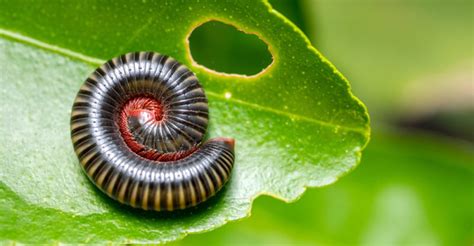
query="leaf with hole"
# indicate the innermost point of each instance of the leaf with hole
(296, 124)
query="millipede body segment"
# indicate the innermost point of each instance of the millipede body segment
(137, 127)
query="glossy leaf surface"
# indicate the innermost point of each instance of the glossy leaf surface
(296, 124)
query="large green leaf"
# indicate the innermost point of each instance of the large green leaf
(410, 189)
(296, 124)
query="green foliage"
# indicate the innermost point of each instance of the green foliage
(296, 124)
(395, 52)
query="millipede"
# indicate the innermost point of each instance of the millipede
(137, 126)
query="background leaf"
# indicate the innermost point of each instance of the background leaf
(397, 54)
(296, 124)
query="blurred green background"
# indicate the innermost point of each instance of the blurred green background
(411, 63)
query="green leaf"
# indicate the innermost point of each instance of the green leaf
(409, 190)
(296, 124)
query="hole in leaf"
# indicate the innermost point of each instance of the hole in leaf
(223, 48)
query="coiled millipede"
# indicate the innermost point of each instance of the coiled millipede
(137, 125)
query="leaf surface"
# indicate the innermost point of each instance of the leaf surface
(296, 124)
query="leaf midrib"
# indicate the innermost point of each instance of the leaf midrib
(97, 62)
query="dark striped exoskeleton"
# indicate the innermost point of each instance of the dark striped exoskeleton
(137, 126)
